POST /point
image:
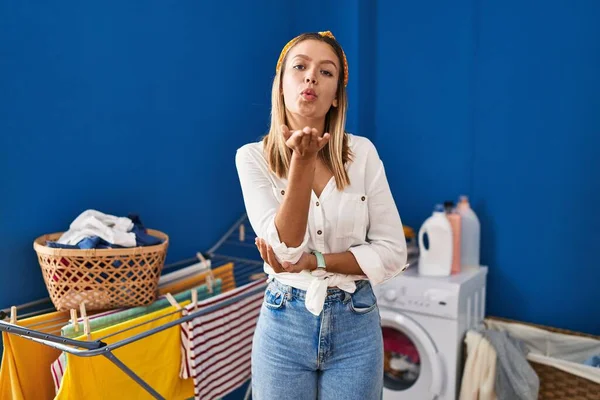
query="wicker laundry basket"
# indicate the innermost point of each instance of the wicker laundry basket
(556, 384)
(101, 278)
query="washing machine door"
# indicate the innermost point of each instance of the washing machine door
(412, 365)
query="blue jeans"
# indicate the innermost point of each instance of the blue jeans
(337, 355)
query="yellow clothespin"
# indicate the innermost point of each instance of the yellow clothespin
(86, 322)
(74, 320)
(242, 232)
(13, 315)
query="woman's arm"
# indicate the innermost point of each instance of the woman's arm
(282, 226)
(384, 254)
(292, 218)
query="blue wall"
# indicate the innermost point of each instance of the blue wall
(500, 101)
(127, 108)
(140, 108)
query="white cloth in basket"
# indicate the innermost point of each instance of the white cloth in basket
(115, 230)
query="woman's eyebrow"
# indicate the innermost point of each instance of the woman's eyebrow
(310, 59)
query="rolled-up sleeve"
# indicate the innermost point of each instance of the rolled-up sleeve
(262, 205)
(385, 254)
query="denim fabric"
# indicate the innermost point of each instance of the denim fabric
(336, 355)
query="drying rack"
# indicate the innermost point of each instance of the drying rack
(237, 246)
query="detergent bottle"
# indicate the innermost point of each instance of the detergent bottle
(470, 234)
(436, 259)
(455, 223)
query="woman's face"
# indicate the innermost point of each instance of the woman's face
(310, 79)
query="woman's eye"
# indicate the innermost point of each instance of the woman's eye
(327, 73)
(299, 66)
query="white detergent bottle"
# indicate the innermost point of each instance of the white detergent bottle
(437, 259)
(470, 234)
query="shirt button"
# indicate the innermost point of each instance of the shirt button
(282, 192)
(363, 198)
(317, 204)
(319, 232)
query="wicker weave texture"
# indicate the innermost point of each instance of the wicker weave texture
(101, 278)
(556, 384)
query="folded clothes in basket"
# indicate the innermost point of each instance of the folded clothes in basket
(593, 361)
(95, 230)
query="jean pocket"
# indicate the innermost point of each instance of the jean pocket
(363, 300)
(274, 298)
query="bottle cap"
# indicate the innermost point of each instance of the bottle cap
(448, 205)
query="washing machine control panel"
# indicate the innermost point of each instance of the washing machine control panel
(440, 302)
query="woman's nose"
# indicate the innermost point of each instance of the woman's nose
(310, 79)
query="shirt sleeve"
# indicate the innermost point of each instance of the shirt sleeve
(385, 254)
(262, 205)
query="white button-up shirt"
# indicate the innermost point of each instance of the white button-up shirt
(362, 219)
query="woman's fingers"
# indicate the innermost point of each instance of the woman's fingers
(261, 249)
(286, 132)
(322, 141)
(268, 255)
(306, 141)
(275, 264)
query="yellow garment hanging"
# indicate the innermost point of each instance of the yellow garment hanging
(25, 372)
(156, 359)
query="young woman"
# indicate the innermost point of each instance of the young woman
(327, 226)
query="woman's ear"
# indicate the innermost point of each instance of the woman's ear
(335, 103)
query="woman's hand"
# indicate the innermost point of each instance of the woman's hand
(306, 142)
(307, 261)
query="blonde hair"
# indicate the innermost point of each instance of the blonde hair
(336, 152)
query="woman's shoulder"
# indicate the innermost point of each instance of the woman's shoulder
(360, 145)
(251, 151)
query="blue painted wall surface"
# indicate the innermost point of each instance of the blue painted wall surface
(139, 108)
(499, 101)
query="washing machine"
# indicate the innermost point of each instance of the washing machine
(424, 321)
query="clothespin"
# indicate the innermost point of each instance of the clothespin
(13, 315)
(74, 320)
(210, 281)
(210, 277)
(242, 232)
(194, 298)
(86, 322)
(201, 258)
(172, 301)
(257, 276)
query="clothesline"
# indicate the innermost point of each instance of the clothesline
(243, 269)
(97, 347)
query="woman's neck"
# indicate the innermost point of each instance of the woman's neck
(297, 122)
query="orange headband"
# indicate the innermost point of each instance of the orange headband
(292, 42)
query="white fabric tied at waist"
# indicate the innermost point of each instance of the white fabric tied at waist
(315, 287)
(317, 291)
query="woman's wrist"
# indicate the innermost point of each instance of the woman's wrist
(304, 160)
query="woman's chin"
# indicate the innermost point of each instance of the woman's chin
(310, 111)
